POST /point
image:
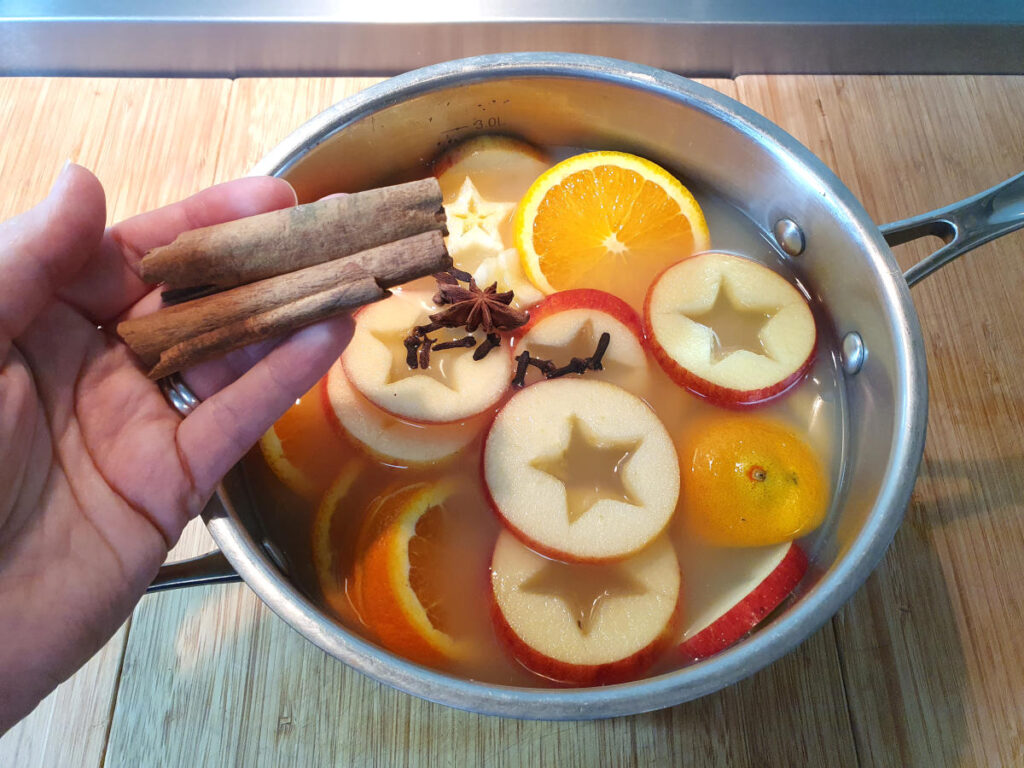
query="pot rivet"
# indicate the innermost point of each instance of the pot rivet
(854, 353)
(275, 555)
(789, 236)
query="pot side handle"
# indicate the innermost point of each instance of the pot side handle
(211, 568)
(962, 226)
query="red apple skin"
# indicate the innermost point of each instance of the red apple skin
(621, 671)
(536, 546)
(478, 143)
(748, 612)
(715, 393)
(585, 298)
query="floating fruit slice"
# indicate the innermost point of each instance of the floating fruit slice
(386, 437)
(498, 171)
(303, 449)
(739, 589)
(502, 168)
(584, 624)
(328, 566)
(396, 573)
(475, 226)
(506, 270)
(581, 470)
(606, 220)
(455, 387)
(729, 329)
(750, 481)
(569, 324)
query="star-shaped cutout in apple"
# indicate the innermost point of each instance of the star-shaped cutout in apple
(589, 469)
(733, 326)
(569, 324)
(400, 369)
(580, 344)
(474, 222)
(581, 470)
(583, 588)
(729, 329)
(454, 387)
(585, 624)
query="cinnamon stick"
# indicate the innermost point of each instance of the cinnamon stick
(258, 247)
(289, 317)
(182, 335)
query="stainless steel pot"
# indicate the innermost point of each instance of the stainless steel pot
(393, 128)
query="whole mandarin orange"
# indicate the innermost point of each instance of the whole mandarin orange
(750, 481)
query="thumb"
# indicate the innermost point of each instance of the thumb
(46, 246)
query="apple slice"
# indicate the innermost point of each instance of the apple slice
(581, 470)
(506, 269)
(568, 324)
(477, 227)
(729, 329)
(386, 437)
(502, 168)
(584, 624)
(736, 590)
(482, 180)
(454, 387)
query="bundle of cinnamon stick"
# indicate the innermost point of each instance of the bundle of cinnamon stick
(232, 284)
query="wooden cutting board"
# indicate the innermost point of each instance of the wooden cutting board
(924, 666)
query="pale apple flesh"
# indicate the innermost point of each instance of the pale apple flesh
(506, 270)
(385, 437)
(482, 180)
(569, 324)
(373, 363)
(501, 167)
(587, 298)
(620, 510)
(738, 590)
(782, 330)
(540, 622)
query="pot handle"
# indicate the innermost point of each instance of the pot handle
(211, 568)
(962, 226)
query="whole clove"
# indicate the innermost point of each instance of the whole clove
(577, 365)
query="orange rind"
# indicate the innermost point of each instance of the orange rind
(606, 220)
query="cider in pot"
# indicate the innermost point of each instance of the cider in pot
(625, 481)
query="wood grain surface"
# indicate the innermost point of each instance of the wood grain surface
(923, 667)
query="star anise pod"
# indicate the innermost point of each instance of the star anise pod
(473, 308)
(464, 307)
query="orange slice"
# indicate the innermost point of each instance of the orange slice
(750, 482)
(606, 220)
(329, 567)
(397, 574)
(302, 447)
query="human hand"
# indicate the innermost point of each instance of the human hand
(98, 475)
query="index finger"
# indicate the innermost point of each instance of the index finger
(111, 284)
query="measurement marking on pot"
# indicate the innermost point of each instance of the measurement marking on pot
(491, 122)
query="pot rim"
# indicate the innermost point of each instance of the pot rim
(765, 646)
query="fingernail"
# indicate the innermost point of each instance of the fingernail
(61, 175)
(294, 193)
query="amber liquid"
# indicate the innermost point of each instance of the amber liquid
(814, 408)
